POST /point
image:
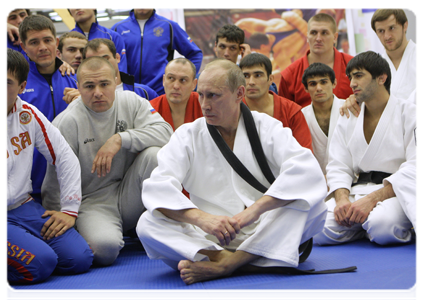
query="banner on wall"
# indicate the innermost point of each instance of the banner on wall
(280, 34)
(364, 37)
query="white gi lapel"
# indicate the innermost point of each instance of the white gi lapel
(373, 149)
(334, 116)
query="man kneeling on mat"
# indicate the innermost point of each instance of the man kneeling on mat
(39, 241)
(228, 224)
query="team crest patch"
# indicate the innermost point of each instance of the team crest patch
(121, 125)
(25, 117)
(417, 136)
(158, 31)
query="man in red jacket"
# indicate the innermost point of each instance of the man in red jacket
(257, 69)
(321, 36)
(179, 104)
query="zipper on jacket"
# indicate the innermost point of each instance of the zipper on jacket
(142, 37)
(52, 100)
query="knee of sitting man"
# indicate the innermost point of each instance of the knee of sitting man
(105, 252)
(80, 262)
(380, 229)
(39, 269)
(143, 223)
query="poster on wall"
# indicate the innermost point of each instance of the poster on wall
(280, 34)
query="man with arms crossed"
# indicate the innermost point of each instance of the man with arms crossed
(39, 241)
(322, 114)
(322, 36)
(116, 136)
(225, 213)
(380, 147)
(179, 104)
(257, 69)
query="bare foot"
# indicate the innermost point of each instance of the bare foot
(192, 272)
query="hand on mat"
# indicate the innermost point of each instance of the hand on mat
(66, 69)
(70, 94)
(360, 210)
(103, 160)
(350, 105)
(222, 227)
(341, 210)
(57, 224)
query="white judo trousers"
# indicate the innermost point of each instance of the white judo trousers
(321, 141)
(191, 159)
(392, 150)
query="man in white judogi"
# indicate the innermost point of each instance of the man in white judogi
(224, 212)
(322, 114)
(380, 147)
(390, 26)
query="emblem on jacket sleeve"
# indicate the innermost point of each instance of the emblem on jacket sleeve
(417, 136)
(121, 125)
(158, 31)
(25, 117)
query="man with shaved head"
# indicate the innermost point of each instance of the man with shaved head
(179, 104)
(116, 136)
(227, 224)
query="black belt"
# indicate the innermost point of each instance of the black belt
(372, 176)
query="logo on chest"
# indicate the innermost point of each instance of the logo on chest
(121, 125)
(89, 140)
(25, 117)
(158, 31)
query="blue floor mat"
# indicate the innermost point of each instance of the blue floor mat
(378, 267)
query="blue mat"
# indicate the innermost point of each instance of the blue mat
(388, 267)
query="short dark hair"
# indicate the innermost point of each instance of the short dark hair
(317, 69)
(70, 34)
(94, 63)
(232, 33)
(322, 17)
(254, 59)
(183, 61)
(37, 23)
(17, 65)
(257, 39)
(383, 14)
(9, 10)
(94, 44)
(373, 63)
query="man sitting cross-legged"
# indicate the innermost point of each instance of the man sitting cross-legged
(224, 213)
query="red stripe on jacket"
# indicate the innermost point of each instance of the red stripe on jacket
(43, 128)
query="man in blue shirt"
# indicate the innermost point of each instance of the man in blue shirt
(86, 23)
(14, 19)
(45, 84)
(150, 42)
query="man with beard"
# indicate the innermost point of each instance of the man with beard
(380, 147)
